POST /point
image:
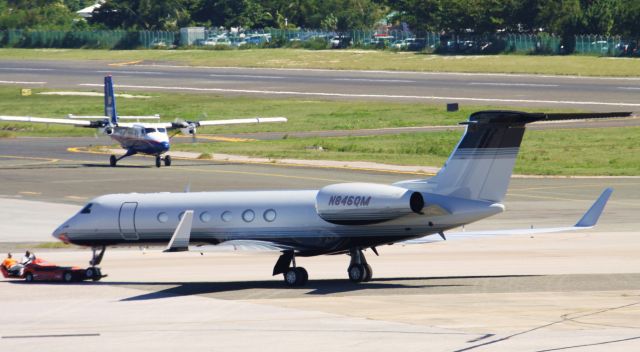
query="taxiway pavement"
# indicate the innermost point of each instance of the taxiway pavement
(594, 94)
(576, 291)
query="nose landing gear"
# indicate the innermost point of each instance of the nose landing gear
(93, 272)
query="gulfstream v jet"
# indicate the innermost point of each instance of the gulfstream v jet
(345, 218)
(136, 137)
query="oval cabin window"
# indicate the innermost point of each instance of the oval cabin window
(248, 215)
(226, 216)
(163, 217)
(205, 216)
(269, 215)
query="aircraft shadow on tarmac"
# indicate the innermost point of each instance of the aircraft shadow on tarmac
(276, 289)
(120, 166)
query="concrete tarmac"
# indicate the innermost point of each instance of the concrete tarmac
(574, 291)
(540, 91)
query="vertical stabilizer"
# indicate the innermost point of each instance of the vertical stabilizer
(110, 101)
(481, 165)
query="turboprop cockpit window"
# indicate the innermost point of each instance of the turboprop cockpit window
(86, 209)
(149, 130)
(163, 130)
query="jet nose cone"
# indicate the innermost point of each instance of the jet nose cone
(61, 233)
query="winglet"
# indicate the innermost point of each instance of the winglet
(590, 218)
(181, 236)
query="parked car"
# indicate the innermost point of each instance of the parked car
(341, 42)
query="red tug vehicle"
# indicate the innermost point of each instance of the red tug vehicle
(40, 270)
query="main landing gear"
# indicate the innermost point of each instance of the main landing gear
(359, 270)
(93, 272)
(293, 275)
(113, 160)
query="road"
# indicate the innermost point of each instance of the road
(594, 94)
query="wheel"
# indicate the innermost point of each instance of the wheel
(291, 277)
(67, 276)
(167, 160)
(158, 161)
(28, 277)
(357, 273)
(303, 276)
(369, 275)
(97, 275)
(113, 160)
(90, 273)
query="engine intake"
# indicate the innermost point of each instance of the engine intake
(366, 203)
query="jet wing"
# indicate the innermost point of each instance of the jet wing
(79, 123)
(242, 245)
(587, 221)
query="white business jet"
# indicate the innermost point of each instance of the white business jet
(339, 218)
(137, 137)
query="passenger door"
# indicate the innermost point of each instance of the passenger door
(127, 221)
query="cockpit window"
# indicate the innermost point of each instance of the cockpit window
(162, 130)
(86, 209)
(149, 130)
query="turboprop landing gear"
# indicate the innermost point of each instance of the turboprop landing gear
(293, 275)
(167, 160)
(158, 160)
(113, 160)
(93, 272)
(359, 270)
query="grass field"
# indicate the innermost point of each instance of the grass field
(611, 151)
(303, 115)
(349, 59)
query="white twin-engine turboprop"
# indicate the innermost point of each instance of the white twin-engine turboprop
(340, 218)
(137, 137)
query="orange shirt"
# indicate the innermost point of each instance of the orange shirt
(9, 262)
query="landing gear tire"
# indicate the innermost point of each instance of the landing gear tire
(113, 160)
(28, 277)
(93, 273)
(158, 161)
(357, 273)
(167, 160)
(296, 277)
(369, 275)
(67, 276)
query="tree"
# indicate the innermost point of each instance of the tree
(141, 14)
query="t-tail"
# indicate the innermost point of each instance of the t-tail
(110, 101)
(481, 165)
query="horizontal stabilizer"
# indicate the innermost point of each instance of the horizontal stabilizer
(181, 236)
(587, 221)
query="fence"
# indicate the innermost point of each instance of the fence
(396, 40)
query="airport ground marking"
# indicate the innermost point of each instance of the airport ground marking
(21, 82)
(117, 64)
(392, 72)
(30, 193)
(383, 96)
